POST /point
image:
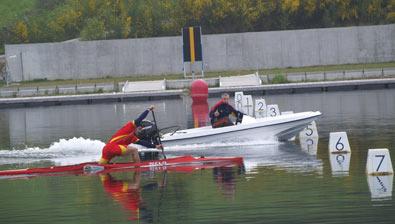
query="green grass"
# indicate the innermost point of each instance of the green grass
(278, 71)
(11, 10)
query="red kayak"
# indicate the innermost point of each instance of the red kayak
(183, 163)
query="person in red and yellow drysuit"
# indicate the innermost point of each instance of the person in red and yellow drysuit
(119, 143)
(127, 193)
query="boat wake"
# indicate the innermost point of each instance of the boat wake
(62, 152)
(256, 154)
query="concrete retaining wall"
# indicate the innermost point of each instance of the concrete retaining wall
(152, 56)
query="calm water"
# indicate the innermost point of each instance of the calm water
(280, 182)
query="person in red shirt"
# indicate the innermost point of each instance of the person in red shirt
(219, 113)
(119, 143)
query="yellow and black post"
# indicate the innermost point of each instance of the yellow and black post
(192, 46)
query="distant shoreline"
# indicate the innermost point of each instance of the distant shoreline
(269, 89)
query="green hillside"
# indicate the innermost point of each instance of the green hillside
(12, 10)
(34, 21)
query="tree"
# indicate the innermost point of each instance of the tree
(94, 29)
(21, 32)
(391, 12)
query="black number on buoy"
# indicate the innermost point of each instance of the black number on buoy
(309, 129)
(381, 161)
(274, 113)
(338, 143)
(383, 188)
(310, 143)
(260, 106)
(238, 100)
(248, 105)
(340, 159)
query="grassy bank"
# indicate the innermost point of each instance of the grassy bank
(207, 74)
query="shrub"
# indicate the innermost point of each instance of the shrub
(279, 78)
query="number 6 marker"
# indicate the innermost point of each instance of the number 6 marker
(338, 143)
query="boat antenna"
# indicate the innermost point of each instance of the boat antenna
(157, 132)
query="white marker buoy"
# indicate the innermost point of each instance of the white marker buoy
(309, 131)
(380, 187)
(239, 101)
(272, 110)
(260, 108)
(379, 162)
(340, 163)
(248, 105)
(309, 145)
(338, 143)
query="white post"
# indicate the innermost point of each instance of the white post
(272, 110)
(309, 131)
(260, 108)
(379, 162)
(248, 105)
(338, 143)
(239, 101)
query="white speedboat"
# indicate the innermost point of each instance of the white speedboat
(281, 128)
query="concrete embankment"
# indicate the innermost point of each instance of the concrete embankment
(268, 89)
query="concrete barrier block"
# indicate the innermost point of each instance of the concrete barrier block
(186, 83)
(389, 72)
(315, 76)
(243, 80)
(144, 86)
(373, 73)
(353, 75)
(335, 75)
(296, 77)
(7, 93)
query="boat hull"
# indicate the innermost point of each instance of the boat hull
(280, 128)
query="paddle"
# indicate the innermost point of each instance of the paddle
(157, 132)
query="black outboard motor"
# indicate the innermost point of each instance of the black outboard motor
(239, 117)
(148, 133)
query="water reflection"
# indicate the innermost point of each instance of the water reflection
(225, 179)
(380, 187)
(309, 144)
(200, 114)
(124, 191)
(340, 163)
(129, 189)
(285, 156)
